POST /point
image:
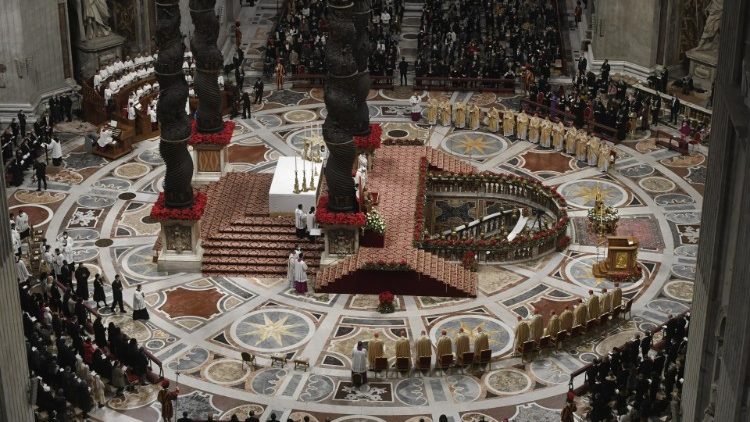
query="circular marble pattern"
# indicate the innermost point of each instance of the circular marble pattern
(95, 201)
(463, 388)
(638, 170)
(507, 381)
(272, 330)
(134, 329)
(615, 340)
(582, 193)
(482, 99)
(587, 357)
(683, 271)
(358, 418)
(318, 387)
(269, 120)
(132, 171)
(139, 263)
(679, 290)
(103, 243)
(499, 335)
(684, 217)
(690, 251)
(673, 199)
(549, 371)
(35, 197)
(296, 139)
(684, 160)
(399, 94)
(667, 307)
(267, 381)
(579, 271)
(656, 184)
(300, 116)
(476, 417)
(151, 157)
(195, 358)
(412, 392)
(85, 254)
(397, 133)
(113, 183)
(126, 196)
(474, 145)
(225, 371)
(83, 234)
(39, 215)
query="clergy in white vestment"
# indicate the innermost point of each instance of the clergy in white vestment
(299, 221)
(22, 224)
(68, 250)
(312, 225)
(15, 237)
(105, 135)
(22, 272)
(139, 304)
(290, 268)
(359, 362)
(300, 275)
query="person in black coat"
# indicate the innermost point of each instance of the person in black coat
(99, 295)
(82, 281)
(247, 106)
(22, 122)
(258, 90)
(40, 171)
(117, 294)
(100, 333)
(81, 312)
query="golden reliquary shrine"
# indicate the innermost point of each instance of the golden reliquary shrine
(622, 254)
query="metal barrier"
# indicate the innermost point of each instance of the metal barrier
(440, 83)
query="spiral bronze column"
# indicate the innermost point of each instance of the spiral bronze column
(346, 88)
(208, 61)
(170, 109)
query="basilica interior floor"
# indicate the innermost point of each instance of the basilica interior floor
(199, 325)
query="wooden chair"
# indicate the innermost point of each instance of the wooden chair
(616, 311)
(591, 325)
(303, 362)
(248, 359)
(545, 342)
(381, 364)
(278, 359)
(424, 363)
(577, 331)
(444, 363)
(528, 348)
(485, 359)
(626, 309)
(467, 360)
(403, 365)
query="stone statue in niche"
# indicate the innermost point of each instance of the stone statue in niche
(95, 15)
(179, 238)
(710, 38)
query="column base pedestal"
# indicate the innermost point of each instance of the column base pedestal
(181, 249)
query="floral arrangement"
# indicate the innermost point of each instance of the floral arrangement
(372, 141)
(626, 277)
(375, 222)
(421, 200)
(562, 243)
(194, 213)
(324, 216)
(469, 261)
(382, 265)
(219, 138)
(385, 300)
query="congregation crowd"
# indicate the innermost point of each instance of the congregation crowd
(24, 149)
(487, 39)
(297, 44)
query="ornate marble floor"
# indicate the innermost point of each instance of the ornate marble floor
(200, 325)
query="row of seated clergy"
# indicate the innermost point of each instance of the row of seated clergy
(596, 306)
(423, 346)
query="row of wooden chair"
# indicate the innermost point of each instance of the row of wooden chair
(423, 364)
(532, 347)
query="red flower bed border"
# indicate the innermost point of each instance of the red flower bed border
(372, 141)
(325, 216)
(160, 212)
(219, 138)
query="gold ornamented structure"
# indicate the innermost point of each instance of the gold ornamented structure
(603, 219)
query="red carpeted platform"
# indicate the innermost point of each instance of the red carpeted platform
(395, 176)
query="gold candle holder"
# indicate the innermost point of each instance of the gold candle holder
(311, 187)
(296, 183)
(304, 177)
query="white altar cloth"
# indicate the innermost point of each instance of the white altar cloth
(281, 197)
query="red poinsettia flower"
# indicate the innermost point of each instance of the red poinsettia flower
(325, 216)
(160, 212)
(372, 141)
(219, 138)
(386, 297)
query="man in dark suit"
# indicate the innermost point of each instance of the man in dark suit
(674, 109)
(403, 67)
(40, 171)
(258, 90)
(22, 122)
(247, 106)
(117, 294)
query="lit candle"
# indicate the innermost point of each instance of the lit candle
(295, 163)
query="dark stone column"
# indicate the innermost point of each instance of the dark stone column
(170, 110)
(208, 61)
(346, 91)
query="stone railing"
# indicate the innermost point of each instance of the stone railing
(497, 248)
(485, 226)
